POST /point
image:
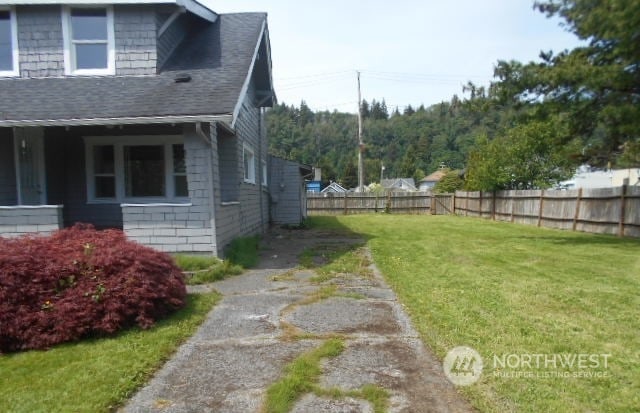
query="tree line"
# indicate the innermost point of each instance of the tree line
(529, 128)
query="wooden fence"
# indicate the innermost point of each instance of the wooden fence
(605, 211)
(363, 203)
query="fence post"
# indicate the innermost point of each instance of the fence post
(577, 214)
(453, 203)
(493, 206)
(541, 206)
(432, 205)
(480, 207)
(345, 204)
(622, 211)
(513, 205)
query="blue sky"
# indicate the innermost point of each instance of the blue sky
(409, 51)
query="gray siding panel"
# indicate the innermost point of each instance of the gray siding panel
(250, 215)
(8, 192)
(287, 192)
(135, 35)
(40, 41)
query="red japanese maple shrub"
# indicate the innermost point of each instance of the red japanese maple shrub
(80, 282)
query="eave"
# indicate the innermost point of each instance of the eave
(192, 6)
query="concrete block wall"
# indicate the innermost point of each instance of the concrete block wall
(21, 220)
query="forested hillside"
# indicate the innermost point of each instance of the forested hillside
(408, 144)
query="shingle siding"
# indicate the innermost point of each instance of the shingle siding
(250, 215)
(135, 36)
(40, 41)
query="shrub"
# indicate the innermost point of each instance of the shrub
(80, 282)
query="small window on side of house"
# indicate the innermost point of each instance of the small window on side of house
(249, 162)
(8, 43)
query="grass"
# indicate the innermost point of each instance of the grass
(512, 289)
(330, 260)
(243, 251)
(301, 377)
(202, 269)
(96, 375)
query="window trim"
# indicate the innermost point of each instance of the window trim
(15, 47)
(118, 142)
(250, 175)
(69, 49)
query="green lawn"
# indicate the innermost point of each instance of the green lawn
(512, 289)
(95, 375)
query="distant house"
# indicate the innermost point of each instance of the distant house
(333, 187)
(587, 177)
(144, 115)
(288, 192)
(428, 182)
(399, 185)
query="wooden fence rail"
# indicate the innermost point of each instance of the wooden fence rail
(604, 211)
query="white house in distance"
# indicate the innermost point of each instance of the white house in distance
(586, 177)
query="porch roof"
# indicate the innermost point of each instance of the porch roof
(203, 80)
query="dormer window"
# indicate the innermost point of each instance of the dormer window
(8, 43)
(89, 41)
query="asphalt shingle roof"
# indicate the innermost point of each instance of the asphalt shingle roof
(217, 56)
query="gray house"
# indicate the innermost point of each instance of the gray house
(135, 114)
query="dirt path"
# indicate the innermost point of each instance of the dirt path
(272, 314)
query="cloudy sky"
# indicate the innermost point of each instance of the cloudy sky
(408, 51)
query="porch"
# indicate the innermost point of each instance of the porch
(148, 180)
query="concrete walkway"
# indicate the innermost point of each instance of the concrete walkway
(248, 338)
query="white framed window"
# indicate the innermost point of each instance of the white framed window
(135, 169)
(89, 40)
(265, 182)
(249, 162)
(9, 54)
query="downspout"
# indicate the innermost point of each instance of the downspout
(212, 216)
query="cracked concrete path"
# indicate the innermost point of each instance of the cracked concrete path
(246, 341)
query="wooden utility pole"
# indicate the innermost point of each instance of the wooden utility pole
(360, 142)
